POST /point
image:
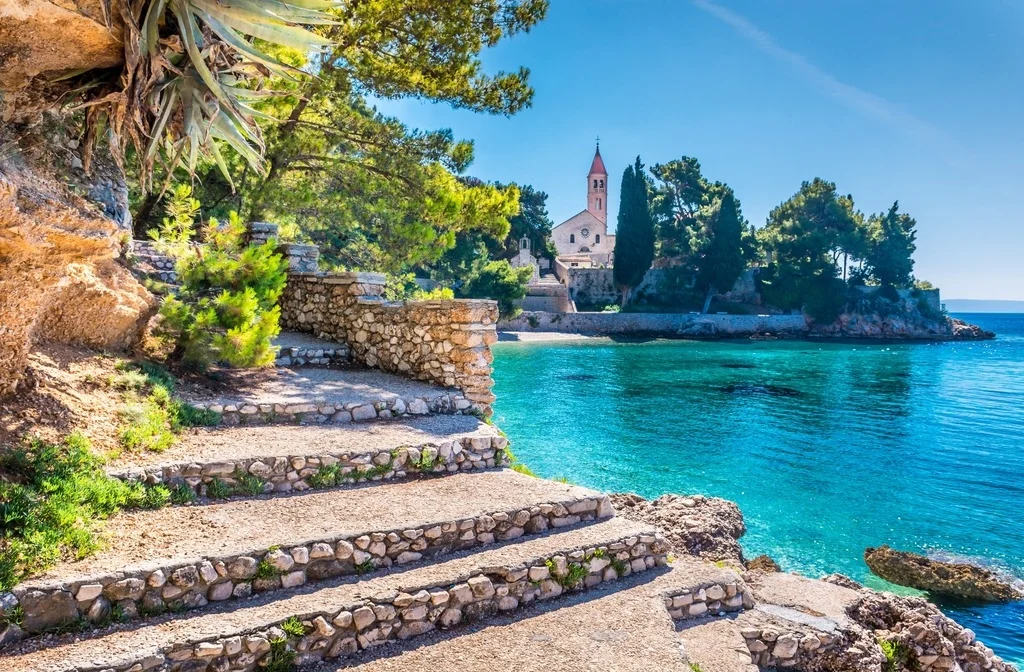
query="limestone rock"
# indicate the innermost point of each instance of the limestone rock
(945, 578)
(707, 527)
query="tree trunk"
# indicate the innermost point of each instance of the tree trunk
(625, 296)
(141, 224)
(707, 301)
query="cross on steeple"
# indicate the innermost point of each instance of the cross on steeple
(599, 142)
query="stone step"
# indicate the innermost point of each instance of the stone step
(622, 626)
(716, 645)
(297, 349)
(186, 557)
(313, 395)
(287, 458)
(345, 616)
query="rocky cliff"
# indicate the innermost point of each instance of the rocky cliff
(59, 276)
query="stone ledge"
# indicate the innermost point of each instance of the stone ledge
(153, 589)
(366, 622)
(312, 412)
(290, 473)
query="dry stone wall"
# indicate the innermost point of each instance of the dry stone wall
(300, 472)
(445, 342)
(154, 590)
(711, 599)
(379, 619)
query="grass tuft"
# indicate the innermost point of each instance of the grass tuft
(218, 489)
(324, 477)
(182, 494)
(294, 627)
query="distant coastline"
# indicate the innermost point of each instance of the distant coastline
(983, 306)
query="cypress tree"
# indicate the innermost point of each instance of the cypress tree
(722, 261)
(634, 234)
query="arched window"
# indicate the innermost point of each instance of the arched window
(602, 184)
(597, 237)
(595, 184)
(599, 204)
(572, 237)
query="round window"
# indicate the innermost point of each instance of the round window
(585, 232)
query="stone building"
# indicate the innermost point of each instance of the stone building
(525, 258)
(583, 241)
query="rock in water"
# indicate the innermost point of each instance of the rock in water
(944, 578)
(764, 563)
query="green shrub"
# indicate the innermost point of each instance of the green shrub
(265, 570)
(502, 282)
(281, 658)
(218, 489)
(152, 415)
(898, 656)
(247, 484)
(294, 627)
(324, 477)
(50, 500)
(182, 494)
(226, 310)
(157, 497)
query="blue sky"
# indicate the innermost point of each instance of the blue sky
(920, 101)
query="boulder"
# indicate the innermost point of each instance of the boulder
(707, 527)
(764, 563)
(944, 578)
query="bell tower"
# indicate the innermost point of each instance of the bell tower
(597, 190)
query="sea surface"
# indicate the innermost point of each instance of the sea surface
(828, 448)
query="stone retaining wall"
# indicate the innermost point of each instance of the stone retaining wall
(259, 414)
(771, 647)
(445, 342)
(710, 599)
(668, 325)
(288, 473)
(375, 620)
(319, 356)
(216, 579)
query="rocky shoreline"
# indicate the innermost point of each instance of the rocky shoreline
(878, 631)
(855, 327)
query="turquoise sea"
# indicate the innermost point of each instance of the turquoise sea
(828, 448)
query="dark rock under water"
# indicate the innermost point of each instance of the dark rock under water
(737, 365)
(769, 390)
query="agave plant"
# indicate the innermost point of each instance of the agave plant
(192, 74)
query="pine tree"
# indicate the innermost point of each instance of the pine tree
(634, 234)
(892, 245)
(722, 261)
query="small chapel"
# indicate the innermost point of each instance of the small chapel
(583, 241)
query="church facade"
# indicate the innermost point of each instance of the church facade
(583, 241)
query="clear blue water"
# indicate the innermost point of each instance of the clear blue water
(920, 446)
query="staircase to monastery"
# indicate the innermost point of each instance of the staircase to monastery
(399, 540)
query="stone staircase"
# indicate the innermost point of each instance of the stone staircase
(327, 541)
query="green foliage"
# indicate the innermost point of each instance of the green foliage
(247, 484)
(157, 497)
(365, 567)
(294, 627)
(325, 477)
(719, 259)
(620, 567)
(891, 246)
(573, 577)
(13, 616)
(695, 667)
(898, 656)
(265, 570)
(807, 237)
(281, 658)
(182, 494)
(218, 489)
(226, 310)
(403, 287)
(50, 499)
(500, 281)
(152, 415)
(634, 239)
(516, 465)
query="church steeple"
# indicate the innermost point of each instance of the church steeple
(597, 192)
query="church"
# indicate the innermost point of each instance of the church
(583, 241)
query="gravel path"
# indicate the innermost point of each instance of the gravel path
(313, 385)
(621, 626)
(132, 644)
(230, 443)
(187, 533)
(806, 595)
